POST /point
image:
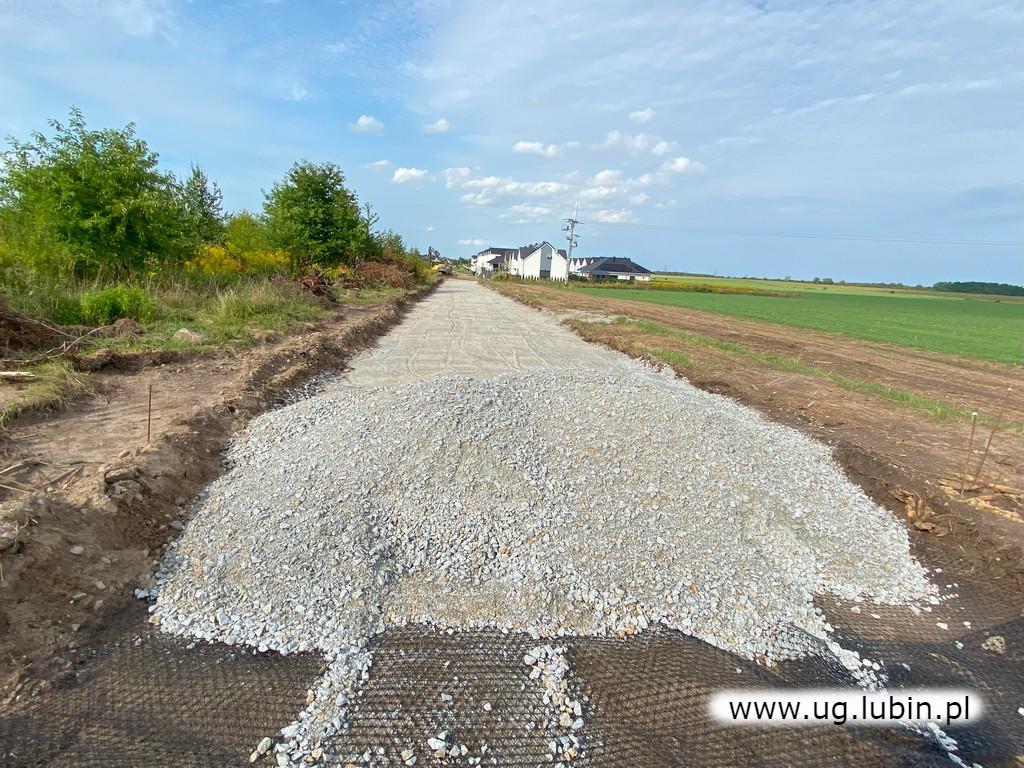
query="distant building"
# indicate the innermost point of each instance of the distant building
(535, 261)
(489, 261)
(539, 261)
(542, 260)
(578, 262)
(613, 269)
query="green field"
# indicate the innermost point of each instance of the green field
(977, 327)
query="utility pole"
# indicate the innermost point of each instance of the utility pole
(569, 227)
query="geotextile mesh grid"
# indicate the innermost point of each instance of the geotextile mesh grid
(146, 699)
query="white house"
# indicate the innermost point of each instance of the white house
(614, 269)
(539, 260)
(536, 261)
(489, 261)
(576, 263)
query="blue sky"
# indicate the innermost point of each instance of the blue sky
(721, 137)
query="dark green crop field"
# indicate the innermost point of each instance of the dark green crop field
(978, 328)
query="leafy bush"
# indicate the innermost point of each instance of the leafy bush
(315, 218)
(109, 304)
(245, 232)
(418, 267)
(265, 262)
(214, 261)
(266, 305)
(376, 273)
(88, 203)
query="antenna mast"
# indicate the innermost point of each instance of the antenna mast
(569, 227)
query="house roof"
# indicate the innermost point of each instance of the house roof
(516, 253)
(526, 250)
(496, 251)
(616, 267)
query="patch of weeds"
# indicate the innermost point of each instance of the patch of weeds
(104, 306)
(55, 385)
(671, 356)
(234, 313)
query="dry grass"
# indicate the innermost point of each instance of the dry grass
(55, 385)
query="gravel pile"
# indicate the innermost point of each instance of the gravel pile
(552, 502)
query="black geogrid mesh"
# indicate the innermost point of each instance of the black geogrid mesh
(149, 700)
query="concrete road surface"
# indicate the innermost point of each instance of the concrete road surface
(465, 328)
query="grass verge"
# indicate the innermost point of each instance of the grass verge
(236, 315)
(54, 386)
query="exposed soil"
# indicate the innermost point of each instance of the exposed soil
(90, 505)
(905, 459)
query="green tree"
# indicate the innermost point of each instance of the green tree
(86, 202)
(245, 232)
(390, 245)
(315, 217)
(202, 205)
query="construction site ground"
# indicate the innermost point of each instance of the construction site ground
(91, 506)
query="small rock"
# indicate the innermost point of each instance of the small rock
(76, 549)
(995, 644)
(261, 749)
(190, 337)
(125, 326)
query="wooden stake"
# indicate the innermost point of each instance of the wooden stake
(988, 443)
(149, 419)
(967, 458)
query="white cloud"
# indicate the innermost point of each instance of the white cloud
(429, 228)
(534, 188)
(607, 176)
(535, 148)
(639, 198)
(472, 241)
(485, 182)
(404, 175)
(378, 165)
(614, 216)
(454, 177)
(663, 148)
(682, 165)
(524, 213)
(489, 186)
(297, 92)
(642, 116)
(367, 124)
(598, 193)
(476, 198)
(438, 126)
(633, 143)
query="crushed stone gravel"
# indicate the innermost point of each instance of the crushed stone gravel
(549, 501)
